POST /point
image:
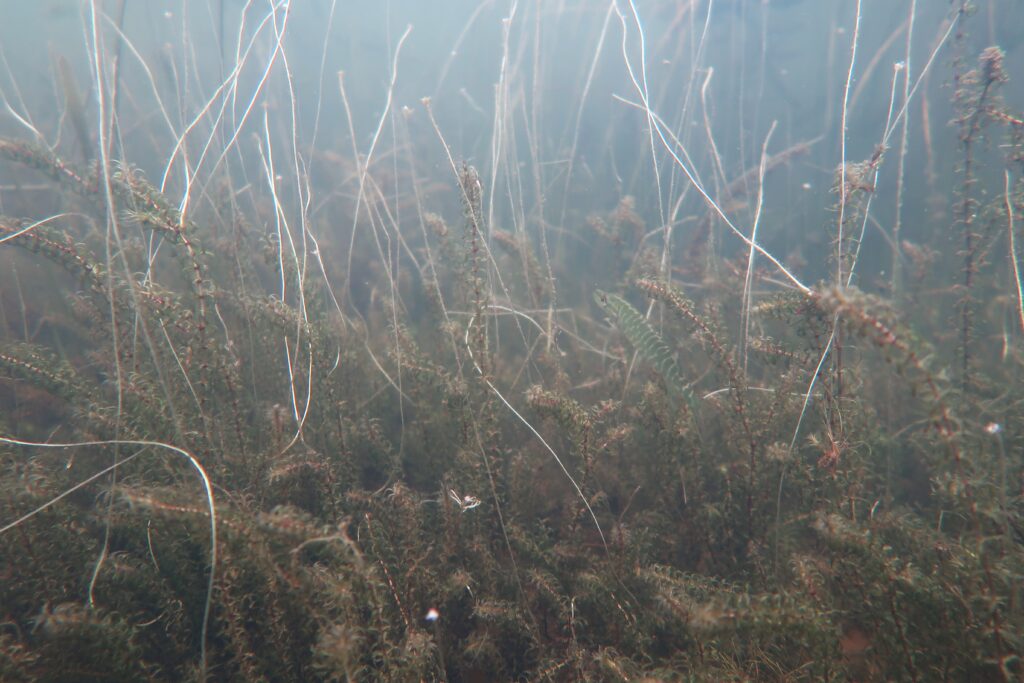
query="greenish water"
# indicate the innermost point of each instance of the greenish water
(511, 340)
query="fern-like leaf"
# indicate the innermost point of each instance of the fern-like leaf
(647, 342)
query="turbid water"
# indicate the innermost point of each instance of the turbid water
(511, 340)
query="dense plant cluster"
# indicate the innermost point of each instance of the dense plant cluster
(218, 466)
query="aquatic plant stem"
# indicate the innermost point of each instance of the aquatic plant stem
(897, 264)
(533, 430)
(193, 461)
(664, 132)
(828, 346)
(748, 281)
(1008, 203)
(640, 85)
(842, 142)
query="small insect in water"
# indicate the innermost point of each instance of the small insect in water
(466, 502)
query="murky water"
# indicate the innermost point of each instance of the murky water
(511, 340)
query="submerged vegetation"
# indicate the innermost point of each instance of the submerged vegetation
(295, 399)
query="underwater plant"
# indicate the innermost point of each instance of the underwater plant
(493, 341)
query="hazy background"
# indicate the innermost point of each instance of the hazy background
(527, 92)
